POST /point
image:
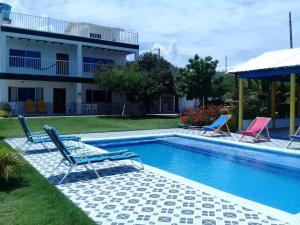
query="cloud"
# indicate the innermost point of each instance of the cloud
(240, 29)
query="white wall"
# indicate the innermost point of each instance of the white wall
(185, 104)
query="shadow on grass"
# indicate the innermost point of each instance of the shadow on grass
(13, 184)
(90, 174)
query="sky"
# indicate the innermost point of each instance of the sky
(240, 29)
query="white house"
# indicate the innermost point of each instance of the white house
(54, 61)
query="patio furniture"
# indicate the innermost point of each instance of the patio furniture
(217, 125)
(256, 128)
(76, 156)
(42, 108)
(295, 137)
(39, 137)
(29, 106)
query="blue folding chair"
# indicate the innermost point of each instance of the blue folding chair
(39, 137)
(217, 125)
(78, 155)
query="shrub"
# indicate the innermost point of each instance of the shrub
(5, 110)
(10, 164)
(206, 115)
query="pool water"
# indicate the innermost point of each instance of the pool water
(268, 178)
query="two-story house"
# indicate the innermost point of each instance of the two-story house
(53, 61)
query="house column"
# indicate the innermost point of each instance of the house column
(79, 60)
(3, 54)
(159, 101)
(292, 103)
(241, 101)
(273, 102)
(136, 56)
(78, 93)
(78, 98)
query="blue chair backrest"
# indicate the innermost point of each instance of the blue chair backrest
(25, 128)
(220, 121)
(54, 135)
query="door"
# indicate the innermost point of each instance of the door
(59, 100)
(62, 64)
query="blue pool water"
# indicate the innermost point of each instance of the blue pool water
(265, 177)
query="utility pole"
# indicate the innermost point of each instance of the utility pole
(291, 30)
(156, 49)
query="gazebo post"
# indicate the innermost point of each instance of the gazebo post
(241, 100)
(273, 102)
(292, 103)
(298, 100)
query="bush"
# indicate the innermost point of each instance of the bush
(10, 164)
(5, 110)
(206, 115)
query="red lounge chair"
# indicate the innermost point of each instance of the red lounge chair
(255, 129)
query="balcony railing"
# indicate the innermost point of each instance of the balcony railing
(17, 64)
(69, 28)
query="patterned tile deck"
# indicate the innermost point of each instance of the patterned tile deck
(127, 195)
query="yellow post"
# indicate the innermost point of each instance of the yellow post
(298, 101)
(241, 100)
(292, 103)
(273, 103)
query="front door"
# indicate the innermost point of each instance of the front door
(62, 64)
(59, 100)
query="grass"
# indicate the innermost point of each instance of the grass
(38, 202)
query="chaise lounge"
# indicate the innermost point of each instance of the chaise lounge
(39, 137)
(77, 156)
(256, 128)
(216, 126)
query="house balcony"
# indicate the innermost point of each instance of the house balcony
(80, 29)
(41, 66)
(38, 66)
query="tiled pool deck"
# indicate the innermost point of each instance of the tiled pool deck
(127, 195)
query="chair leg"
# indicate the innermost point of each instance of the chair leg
(69, 171)
(90, 164)
(61, 161)
(241, 137)
(291, 141)
(140, 161)
(228, 129)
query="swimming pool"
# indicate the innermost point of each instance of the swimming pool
(266, 177)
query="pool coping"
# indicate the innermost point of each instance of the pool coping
(287, 217)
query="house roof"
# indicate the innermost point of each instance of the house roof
(272, 60)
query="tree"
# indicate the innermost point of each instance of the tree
(127, 81)
(196, 78)
(160, 74)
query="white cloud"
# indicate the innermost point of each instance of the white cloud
(240, 29)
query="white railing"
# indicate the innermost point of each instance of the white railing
(17, 64)
(89, 69)
(69, 28)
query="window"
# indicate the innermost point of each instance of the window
(24, 58)
(94, 35)
(94, 96)
(25, 94)
(21, 94)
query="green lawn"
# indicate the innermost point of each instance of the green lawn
(38, 202)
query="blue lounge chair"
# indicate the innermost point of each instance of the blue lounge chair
(295, 137)
(76, 156)
(216, 126)
(39, 137)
